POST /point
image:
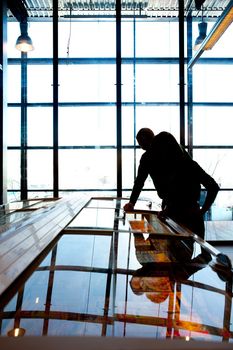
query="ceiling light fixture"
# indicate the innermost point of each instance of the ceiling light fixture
(202, 28)
(215, 34)
(24, 42)
(16, 332)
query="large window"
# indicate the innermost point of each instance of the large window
(89, 128)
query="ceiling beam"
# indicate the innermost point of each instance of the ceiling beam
(18, 9)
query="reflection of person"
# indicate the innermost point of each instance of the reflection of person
(163, 262)
(177, 179)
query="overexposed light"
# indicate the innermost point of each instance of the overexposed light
(16, 332)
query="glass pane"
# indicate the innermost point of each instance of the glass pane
(128, 83)
(212, 83)
(40, 83)
(94, 218)
(13, 169)
(13, 126)
(127, 168)
(6, 326)
(87, 126)
(86, 169)
(33, 326)
(159, 119)
(87, 83)
(216, 163)
(157, 83)
(13, 196)
(212, 126)
(83, 250)
(223, 206)
(128, 126)
(40, 126)
(38, 31)
(13, 32)
(39, 194)
(35, 291)
(14, 83)
(40, 169)
(127, 40)
(87, 38)
(84, 295)
(161, 39)
(73, 328)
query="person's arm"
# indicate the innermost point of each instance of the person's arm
(211, 187)
(138, 185)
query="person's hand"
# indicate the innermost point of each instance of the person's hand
(128, 206)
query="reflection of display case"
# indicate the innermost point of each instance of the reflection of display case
(82, 266)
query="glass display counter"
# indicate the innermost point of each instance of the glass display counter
(115, 274)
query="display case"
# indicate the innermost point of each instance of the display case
(106, 273)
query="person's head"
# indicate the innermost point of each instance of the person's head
(144, 138)
(156, 289)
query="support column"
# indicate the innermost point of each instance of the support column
(190, 86)
(23, 167)
(3, 102)
(181, 72)
(55, 99)
(118, 97)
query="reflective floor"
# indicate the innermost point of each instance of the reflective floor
(111, 274)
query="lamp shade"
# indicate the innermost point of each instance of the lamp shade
(202, 27)
(24, 42)
(16, 332)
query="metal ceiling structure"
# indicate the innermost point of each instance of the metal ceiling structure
(161, 9)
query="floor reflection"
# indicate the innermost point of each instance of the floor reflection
(123, 283)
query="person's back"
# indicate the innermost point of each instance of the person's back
(176, 177)
(164, 160)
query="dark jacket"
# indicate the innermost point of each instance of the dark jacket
(176, 177)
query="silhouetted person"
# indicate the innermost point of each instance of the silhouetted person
(177, 179)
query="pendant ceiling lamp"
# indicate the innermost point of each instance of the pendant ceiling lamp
(24, 42)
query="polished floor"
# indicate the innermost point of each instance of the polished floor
(111, 274)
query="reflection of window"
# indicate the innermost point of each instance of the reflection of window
(84, 250)
(109, 282)
(33, 326)
(35, 290)
(66, 328)
(84, 295)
